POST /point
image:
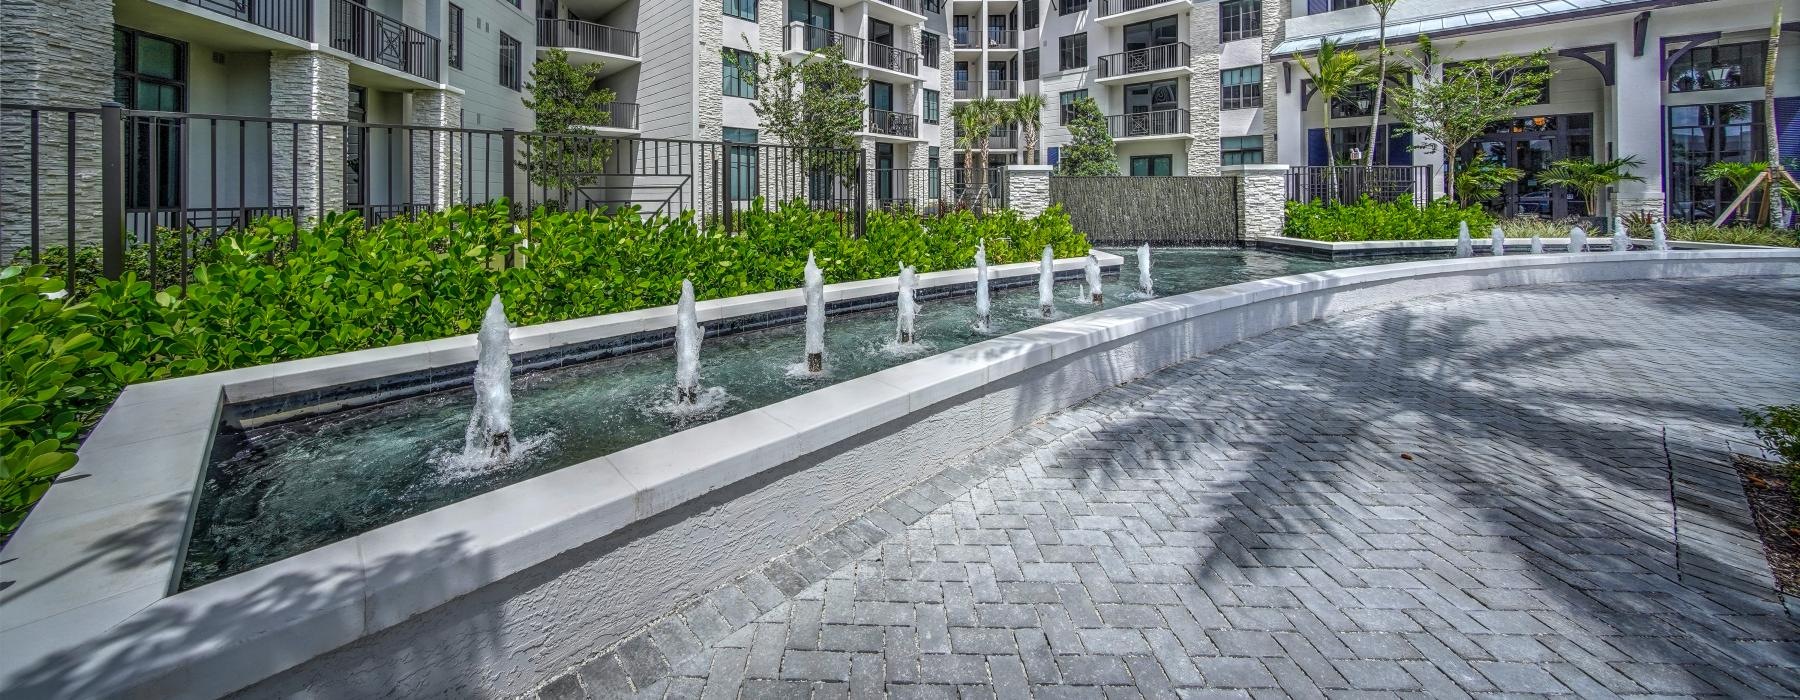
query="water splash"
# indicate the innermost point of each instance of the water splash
(907, 306)
(1047, 284)
(1577, 240)
(1659, 238)
(1465, 248)
(488, 439)
(815, 316)
(1092, 272)
(1621, 241)
(983, 304)
(1499, 241)
(1537, 244)
(688, 334)
(1146, 286)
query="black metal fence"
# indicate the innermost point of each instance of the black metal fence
(1348, 184)
(1191, 210)
(938, 190)
(160, 184)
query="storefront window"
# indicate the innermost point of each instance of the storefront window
(1700, 135)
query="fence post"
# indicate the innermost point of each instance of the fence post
(721, 198)
(508, 163)
(112, 190)
(1261, 198)
(1026, 189)
(862, 193)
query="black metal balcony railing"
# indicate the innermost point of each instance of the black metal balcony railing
(290, 17)
(378, 38)
(889, 123)
(1162, 122)
(893, 58)
(1003, 89)
(621, 115)
(1002, 38)
(578, 34)
(802, 37)
(908, 5)
(1113, 7)
(964, 38)
(966, 89)
(1145, 60)
(1003, 139)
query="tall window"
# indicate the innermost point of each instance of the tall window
(741, 9)
(1031, 64)
(1719, 67)
(1700, 135)
(929, 45)
(934, 177)
(511, 62)
(1240, 88)
(1031, 14)
(1152, 165)
(740, 73)
(1067, 102)
(150, 72)
(1240, 19)
(1070, 7)
(456, 36)
(931, 106)
(1071, 51)
(1240, 150)
(740, 164)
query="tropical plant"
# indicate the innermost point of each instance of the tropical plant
(1778, 427)
(816, 105)
(1587, 177)
(1090, 153)
(1743, 176)
(1483, 178)
(975, 123)
(1333, 71)
(563, 99)
(1382, 8)
(1462, 101)
(1369, 220)
(1028, 111)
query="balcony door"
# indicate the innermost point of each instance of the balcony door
(150, 73)
(1149, 108)
(882, 33)
(884, 171)
(822, 19)
(1157, 32)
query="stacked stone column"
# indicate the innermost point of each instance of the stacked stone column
(39, 42)
(308, 85)
(1203, 89)
(436, 155)
(1262, 198)
(1028, 189)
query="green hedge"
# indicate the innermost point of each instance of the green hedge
(1369, 220)
(274, 293)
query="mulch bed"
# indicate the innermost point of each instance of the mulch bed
(1777, 518)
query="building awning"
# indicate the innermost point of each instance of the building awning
(1477, 21)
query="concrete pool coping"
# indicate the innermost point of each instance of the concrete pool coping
(1341, 250)
(117, 532)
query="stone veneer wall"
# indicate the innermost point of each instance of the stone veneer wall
(308, 85)
(39, 41)
(1262, 199)
(1028, 189)
(1273, 29)
(1203, 89)
(437, 168)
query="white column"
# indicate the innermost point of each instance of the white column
(308, 85)
(1637, 129)
(1262, 198)
(1028, 189)
(1290, 126)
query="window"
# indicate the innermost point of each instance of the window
(150, 72)
(1240, 88)
(929, 45)
(740, 164)
(1031, 64)
(741, 9)
(931, 106)
(1068, 100)
(1700, 135)
(456, 39)
(1240, 19)
(1070, 7)
(1347, 4)
(740, 73)
(1031, 14)
(1356, 101)
(1072, 52)
(1152, 165)
(511, 62)
(1719, 67)
(1240, 150)
(934, 177)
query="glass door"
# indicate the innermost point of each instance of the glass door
(881, 96)
(356, 149)
(819, 17)
(884, 171)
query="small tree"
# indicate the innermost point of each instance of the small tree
(1382, 8)
(1091, 152)
(1587, 177)
(1451, 105)
(1028, 111)
(1333, 71)
(975, 122)
(815, 104)
(564, 99)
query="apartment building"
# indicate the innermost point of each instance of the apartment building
(1676, 84)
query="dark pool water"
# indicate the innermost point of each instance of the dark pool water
(276, 491)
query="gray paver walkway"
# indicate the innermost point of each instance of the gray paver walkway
(1465, 495)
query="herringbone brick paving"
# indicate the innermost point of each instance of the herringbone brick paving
(1461, 496)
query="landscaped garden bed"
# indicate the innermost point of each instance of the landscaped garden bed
(1370, 220)
(1773, 488)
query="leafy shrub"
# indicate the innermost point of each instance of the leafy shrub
(1779, 429)
(1369, 220)
(1639, 226)
(279, 292)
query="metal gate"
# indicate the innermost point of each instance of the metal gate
(1196, 210)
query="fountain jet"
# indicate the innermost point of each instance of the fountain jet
(688, 334)
(1093, 279)
(1537, 244)
(1145, 285)
(982, 304)
(1464, 247)
(489, 435)
(1499, 241)
(908, 307)
(1577, 240)
(1047, 283)
(1659, 238)
(1621, 242)
(814, 293)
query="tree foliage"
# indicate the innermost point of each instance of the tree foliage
(1382, 8)
(564, 98)
(1450, 105)
(1091, 152)
(1333, 71)
(815, 104)
(1587, 177)
(975, 122)
(1028, 111)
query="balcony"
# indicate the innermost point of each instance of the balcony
(587, 36)
(383, 40)
(1003, 139)
(806, 38)
(886, 123)
(1003, 89)
(1131, 64)
(621, 115)
(290, 17)
(1002, 38)
(966, 90)
(1162, 123)
(965, 38)
(891, 58)
(1114, 12)
(912, 8)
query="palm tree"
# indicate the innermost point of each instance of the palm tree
(1587, 177)
(975, 122)
(1381, 13)
(1029, 113)
(1333, 71)
(1745, 175)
